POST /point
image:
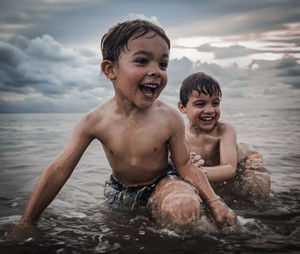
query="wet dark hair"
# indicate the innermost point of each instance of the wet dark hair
(117, 37)
(200, 82)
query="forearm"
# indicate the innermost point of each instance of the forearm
(220, 173)
(198, 179)
(49, 184)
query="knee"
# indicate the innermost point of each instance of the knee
(256, 185)
(261, 186)
(181, 209)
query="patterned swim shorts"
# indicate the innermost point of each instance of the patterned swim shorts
(132, 198)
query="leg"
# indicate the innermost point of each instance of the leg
(253, 180)
(176, 201)
(254, 184)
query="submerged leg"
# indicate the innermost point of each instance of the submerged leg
(253, 180)
(176, 201)
(254, 184)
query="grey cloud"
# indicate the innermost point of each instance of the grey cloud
(70, 80)
(19, 41)
(29, 11)
(237, 18)
(85, 52)
(239, 51)
(178, 69)
(43, 66)
(47, 48)
(285, 70)
(63, 19)
(285, 63)
(261, 78)
(228, 52)
(10, 55)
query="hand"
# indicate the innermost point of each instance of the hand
(21, 232)
(224, 217)
(196, 159)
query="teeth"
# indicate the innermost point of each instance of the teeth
(151, 86)
(206, 118)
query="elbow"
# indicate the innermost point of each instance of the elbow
(232, 171)
(193, 175)
(57, 171)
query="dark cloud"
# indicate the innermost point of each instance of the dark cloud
(43, 68)
(261, 78)
(239, 51)
(228, 52)
(238, 18)
(10, 55)
(67, 19)
(42, 75)
(32, 11)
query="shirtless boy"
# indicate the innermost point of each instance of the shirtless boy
(215, 141)
(136, 130)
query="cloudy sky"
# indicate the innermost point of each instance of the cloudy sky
(50, 56)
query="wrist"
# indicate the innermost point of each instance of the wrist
(203, 170)
(213, 200)
(24, 220)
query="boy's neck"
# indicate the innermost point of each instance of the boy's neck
(194, 129)
(128, 108)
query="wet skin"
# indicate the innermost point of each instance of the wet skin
(136, 130)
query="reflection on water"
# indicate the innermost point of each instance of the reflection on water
(79, 220)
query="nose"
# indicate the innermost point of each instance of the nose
(209, 109)
(154, 71)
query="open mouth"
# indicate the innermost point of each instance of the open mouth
(206, 119)
(148, 90)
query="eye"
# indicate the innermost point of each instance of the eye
(199, 104)
(216, 103)
(163, 65)
(141, 61)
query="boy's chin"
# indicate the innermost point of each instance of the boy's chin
(206, 127)
(145, 104)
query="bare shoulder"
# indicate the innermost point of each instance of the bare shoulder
(225, 129)
(93, 118)
(168, 111)
(170, 115)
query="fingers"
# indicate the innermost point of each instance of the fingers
(224, 216)
(196, 159)
(21, 232)
(192, 154)
(199, 163)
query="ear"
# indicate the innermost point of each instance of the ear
(107, 67)
(181, 107)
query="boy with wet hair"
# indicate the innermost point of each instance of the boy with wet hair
(221, 158)
(136, 131)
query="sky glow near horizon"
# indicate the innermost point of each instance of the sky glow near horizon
(50, 56)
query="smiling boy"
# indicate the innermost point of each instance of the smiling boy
(136, 131)
(215, 141)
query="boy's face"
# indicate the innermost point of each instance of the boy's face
(203, 111)
(141, 72)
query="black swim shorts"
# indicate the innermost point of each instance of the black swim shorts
(132, 198)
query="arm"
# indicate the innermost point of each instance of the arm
(228, 157)
(181, 158)
(57, 173)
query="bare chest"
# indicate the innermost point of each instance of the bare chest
(207, 146)
(134, 138)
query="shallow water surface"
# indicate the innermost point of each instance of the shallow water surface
(79, 220)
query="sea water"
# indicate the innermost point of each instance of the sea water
(80, 221)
